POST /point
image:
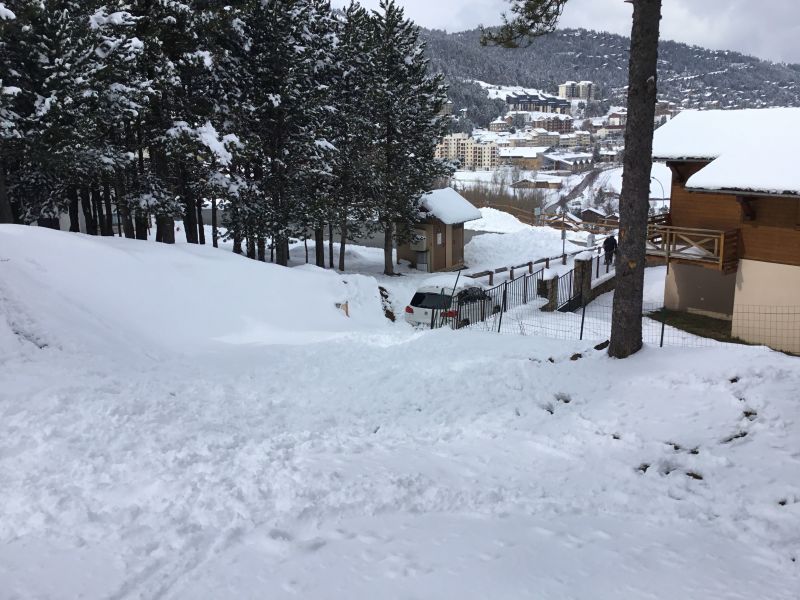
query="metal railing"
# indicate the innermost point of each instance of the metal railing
(469, 310)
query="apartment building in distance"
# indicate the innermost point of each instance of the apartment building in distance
(472, 154)
(538, 102)
(577, 90)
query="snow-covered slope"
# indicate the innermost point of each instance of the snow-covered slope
(68, 288)
(382, 464)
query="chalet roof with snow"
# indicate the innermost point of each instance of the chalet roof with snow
(596, 211)
(730, 139)
(573, 158)
(449, 206)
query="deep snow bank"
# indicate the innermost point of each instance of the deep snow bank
(496, 221)
(492, 250)
(63, 288)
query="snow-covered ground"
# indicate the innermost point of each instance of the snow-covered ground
(179, 422)
(496, 221)
(493, 250)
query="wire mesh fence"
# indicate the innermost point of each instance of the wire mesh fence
(775, 326)
(478, 306)
(593, 323)
(528, 305)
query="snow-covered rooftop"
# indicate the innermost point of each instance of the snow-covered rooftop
(570, 158)
(729, 138)
(522, 151)
(449, 206)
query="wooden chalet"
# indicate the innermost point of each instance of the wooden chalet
(732, 236)
(438, 244)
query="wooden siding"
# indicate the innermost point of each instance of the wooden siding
(439, 250)
(458, 243)
(773, 236)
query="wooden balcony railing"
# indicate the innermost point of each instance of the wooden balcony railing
(709, 247)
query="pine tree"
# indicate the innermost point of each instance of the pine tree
(351, 130)
(284, 153)
(10, 100)
(407, 104)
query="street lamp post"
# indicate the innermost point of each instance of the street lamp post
(663, 193)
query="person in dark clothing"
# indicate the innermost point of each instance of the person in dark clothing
(610, 247)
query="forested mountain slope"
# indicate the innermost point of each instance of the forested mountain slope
(689, 75)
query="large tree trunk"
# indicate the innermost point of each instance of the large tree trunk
(122, 208)
(108, 223)
(165, 229)
(97, 206)
(319, 246)
(6, 214)
(201, 228)
(74, 214)
(251, 247)
(189, 209)
(281, 251)
(388, 246)
(140, 225)
(342, 243)
(261, 249)
(626, 326)
(88, 216)
(214, 232)
(330, 245)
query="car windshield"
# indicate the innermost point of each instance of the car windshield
(429, 300)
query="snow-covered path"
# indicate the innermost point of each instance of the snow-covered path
(383, 463)
(379, 459)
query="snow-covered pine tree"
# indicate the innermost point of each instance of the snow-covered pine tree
(283, 110)
(11, 101)
(407, 104)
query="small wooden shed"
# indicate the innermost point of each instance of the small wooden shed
(438, 244)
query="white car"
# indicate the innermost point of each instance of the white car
(441, 300)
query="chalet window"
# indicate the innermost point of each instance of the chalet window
(439, 239)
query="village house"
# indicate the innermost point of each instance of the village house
(501, 124)
(539, 182)
(574, 162)
(438, 244)
(527, 158)
(732, 236)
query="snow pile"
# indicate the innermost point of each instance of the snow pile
(496, 221)
(119, 292)
(729, 138)
(449, 206)
(493, 250)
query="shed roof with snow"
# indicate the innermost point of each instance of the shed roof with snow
(730, 139)
(449, 206)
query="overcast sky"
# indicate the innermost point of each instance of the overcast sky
(769, 29)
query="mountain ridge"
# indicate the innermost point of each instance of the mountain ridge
(690, 76)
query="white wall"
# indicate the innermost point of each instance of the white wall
(767, 305)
